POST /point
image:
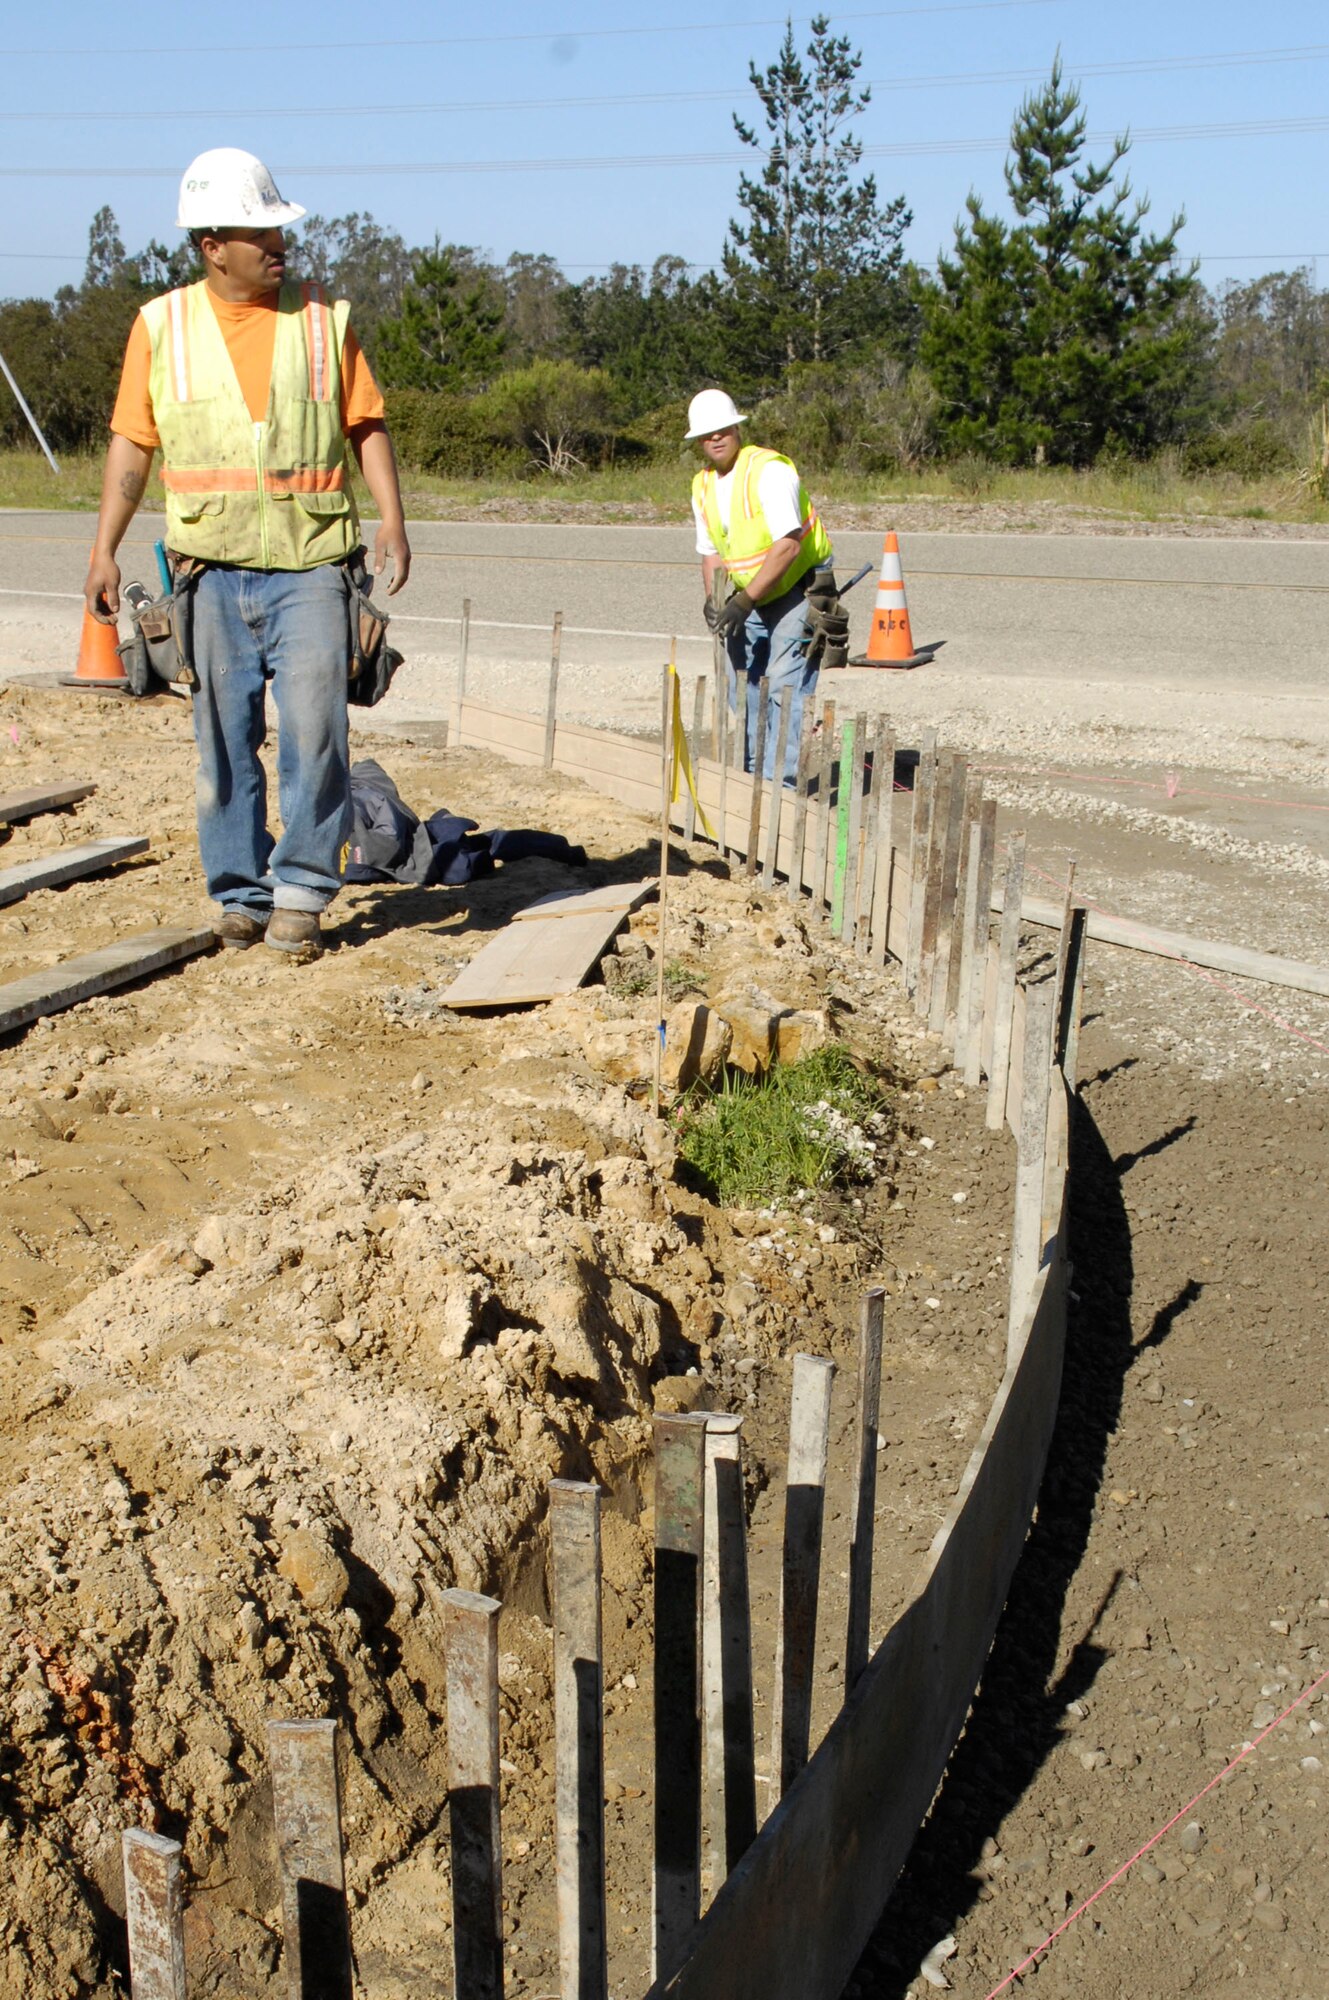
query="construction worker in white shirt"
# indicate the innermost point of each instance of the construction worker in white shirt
(755, 521)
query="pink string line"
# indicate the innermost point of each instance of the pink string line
(1089, 1901)
(1171, 786)
(1177, 958)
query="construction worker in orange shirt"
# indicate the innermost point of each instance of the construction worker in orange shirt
(253, 388)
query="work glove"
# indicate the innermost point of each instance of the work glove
(826, 630)
(733, 615)
(710, 611)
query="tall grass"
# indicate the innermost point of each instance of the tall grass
(1156, 490)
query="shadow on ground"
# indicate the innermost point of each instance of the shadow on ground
(1032, 1673)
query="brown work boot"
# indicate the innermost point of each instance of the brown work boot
(296, 932)
(239, 928)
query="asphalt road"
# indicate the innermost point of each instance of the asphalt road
(1210, 652)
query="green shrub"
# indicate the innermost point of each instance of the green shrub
(1252, 449)
(560, 416)
(817, 1123)
(453, 436)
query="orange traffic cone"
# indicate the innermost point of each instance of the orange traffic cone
(99, 666)
(890, 641)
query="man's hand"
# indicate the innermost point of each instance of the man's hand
(733, 614)
(101, 588)
(710, 611)
(391, 546)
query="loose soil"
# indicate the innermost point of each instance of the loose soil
(308, 1287)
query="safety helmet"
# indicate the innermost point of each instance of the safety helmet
(711, 411)
(229, 189)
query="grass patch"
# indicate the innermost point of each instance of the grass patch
(818, 1123)
(1160, 489)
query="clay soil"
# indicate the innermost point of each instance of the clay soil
(308, 1287)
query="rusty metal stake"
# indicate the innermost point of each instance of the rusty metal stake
(154, 1914)
(307, 1810)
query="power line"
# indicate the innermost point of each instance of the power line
(1158, 66)
(552, 36)
(599, 163)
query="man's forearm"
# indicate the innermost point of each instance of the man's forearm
(123, 484)
(378, 462)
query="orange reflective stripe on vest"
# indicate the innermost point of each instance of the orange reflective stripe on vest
(244, 479)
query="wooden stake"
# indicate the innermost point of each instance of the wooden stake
(307, 1811)
(843, 807)
(777, 799)
(1072, 999)
(826, 781)
(753, 855)
(1064, 935)
(798, 839)
(731, 1795)
(574, 1524)
(1031, 1144)
(857, 1643)
(920, 846)
(154, 1916)
(551, 697)
(886, 873)
(867, 840)
(666, 789)
(852, 830)
(971, 994)
(470, 1633)
(973, 806)
(1003, 1007)
(800, 1575)
(948, 881)
(941, 812)
(721, 732)
(698, 725)
(680, 1459)
(463, 651)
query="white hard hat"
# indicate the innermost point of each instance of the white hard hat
(229, 189)
(711, 411)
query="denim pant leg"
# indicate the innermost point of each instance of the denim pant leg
(770, 647)
(229, 728)
(306, 647)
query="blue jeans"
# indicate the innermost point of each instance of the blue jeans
(770, 646)
(289, 627)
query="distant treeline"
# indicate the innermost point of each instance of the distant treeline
(1068, 335)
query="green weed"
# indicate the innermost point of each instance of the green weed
(818, 1123)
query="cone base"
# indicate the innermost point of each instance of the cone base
(922, 658)
(93, 686)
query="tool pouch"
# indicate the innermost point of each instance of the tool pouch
(161, 641)
(827, 628)
(371, 661)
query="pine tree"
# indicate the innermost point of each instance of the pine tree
(815, 267)
(449, 333)
(1070, 332)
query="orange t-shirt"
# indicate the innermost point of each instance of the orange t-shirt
(250, 332)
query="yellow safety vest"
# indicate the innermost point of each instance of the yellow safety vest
(744, 544)
(272, 495)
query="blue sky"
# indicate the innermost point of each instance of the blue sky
(109, 105)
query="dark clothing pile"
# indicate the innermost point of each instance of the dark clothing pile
(390, 843)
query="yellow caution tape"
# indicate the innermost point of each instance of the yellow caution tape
(682, 758)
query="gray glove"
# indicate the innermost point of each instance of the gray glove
(733, 614)
(710, 611)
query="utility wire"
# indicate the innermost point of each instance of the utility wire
(1159, 66)
(597, 163)
(550, 36)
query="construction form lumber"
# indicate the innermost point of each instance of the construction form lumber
(546, 950)
(40, 799)
(1212, 953)
(53, 869)
(75, 979)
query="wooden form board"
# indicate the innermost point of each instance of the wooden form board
(621, 896)
(534, 961)
(75, 979)
(53, 869)
(1213, 953)
(40, 799)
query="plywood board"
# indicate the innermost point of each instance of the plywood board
(75, 979)
(534, 961)
(40, 799)
(53, 869)
(623, 896)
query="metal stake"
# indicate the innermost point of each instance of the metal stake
(800, 1575)
(680, 1458)
(307, 1810)
(470, 1633)
(731, 1795)
(574, 1524)
(857, 1637)
(154, 1914)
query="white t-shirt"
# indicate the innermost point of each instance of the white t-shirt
(777, 490)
